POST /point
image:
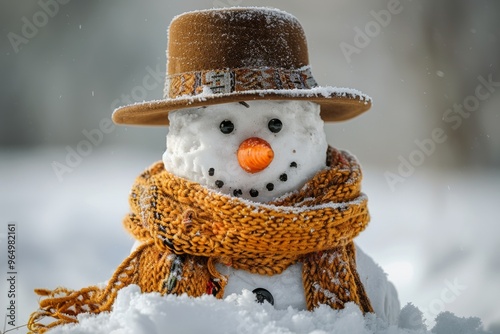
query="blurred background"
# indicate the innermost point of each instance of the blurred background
(430, 145)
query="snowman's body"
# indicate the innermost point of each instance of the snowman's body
(259, 151)
(287, 288)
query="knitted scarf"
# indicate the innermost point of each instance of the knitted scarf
(185, 229)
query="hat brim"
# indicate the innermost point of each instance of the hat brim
(337, 104)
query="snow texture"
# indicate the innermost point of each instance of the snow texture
(320, 91)
(249, 11)
(198, 151)
(137, 313)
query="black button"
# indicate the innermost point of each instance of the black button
(262, 294)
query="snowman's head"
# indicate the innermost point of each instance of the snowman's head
(257, 150)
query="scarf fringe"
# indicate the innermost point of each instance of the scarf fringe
(65, 305)
(331, 278)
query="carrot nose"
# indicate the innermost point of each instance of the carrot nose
(255, 154)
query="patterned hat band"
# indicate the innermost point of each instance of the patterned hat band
(238, 80)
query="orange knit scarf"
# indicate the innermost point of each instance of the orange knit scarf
(186, 229)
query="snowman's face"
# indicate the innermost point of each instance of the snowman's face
(258, 150)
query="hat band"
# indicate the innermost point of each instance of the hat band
(238, 80)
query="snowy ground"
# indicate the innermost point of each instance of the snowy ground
(136, 313)
(436, 235)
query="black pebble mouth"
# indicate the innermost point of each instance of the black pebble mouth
(252, 192)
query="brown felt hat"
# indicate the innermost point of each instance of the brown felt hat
(239, 54)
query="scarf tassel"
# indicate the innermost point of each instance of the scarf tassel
(65, 305)
(330, 277)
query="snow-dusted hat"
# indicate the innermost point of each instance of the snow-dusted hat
(239, 54)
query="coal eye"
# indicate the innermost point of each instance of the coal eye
(275, 125)
(226, 126)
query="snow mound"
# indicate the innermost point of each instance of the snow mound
(448, 323)
(139, 313)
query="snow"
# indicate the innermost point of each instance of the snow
(448, 323)
(325, 91)
(250, 11)
(411, 317)
(303, 209)
(315, 92)
(320, 91)
(195, 145)
(138, 313)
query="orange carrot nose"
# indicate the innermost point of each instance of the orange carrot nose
(255, 154)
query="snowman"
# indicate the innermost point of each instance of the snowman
(248, 194)
(260, 151)
(255, 150)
